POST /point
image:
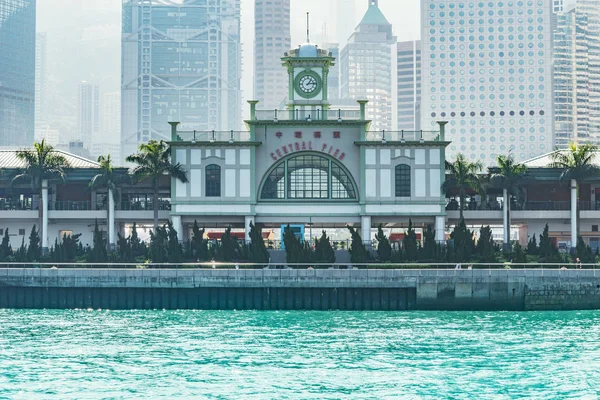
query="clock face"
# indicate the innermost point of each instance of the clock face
(308, 84)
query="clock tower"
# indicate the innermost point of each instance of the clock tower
(308, 68)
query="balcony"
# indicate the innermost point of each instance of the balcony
(9, 204)
(72, 205)
(307, 115)
(213, 136)
(403, 136)
(143, 205)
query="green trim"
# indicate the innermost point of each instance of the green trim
(400, 144)
(214, 144)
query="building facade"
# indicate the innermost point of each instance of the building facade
(309, 164)
(577, 74)
(409, 85)
(487, 69)
(88, 116)
(181, 61)
(366, 67)
(40, 81)
(17, 72)
(272, 38)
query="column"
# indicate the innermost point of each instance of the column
(505, 206)
(573, 214)
(44, 227)
(111, 221)
(365, 226)
(248, 221)
(440, 229)
(176, 221)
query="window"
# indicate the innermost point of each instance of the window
(402, 180)
(213, 180)
(594, 228)
(308, 176)
(21, 232)
(61, 234)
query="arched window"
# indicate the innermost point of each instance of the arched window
(213, 180)
(308, 176)
(402, 180)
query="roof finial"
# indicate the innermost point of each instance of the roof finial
(307, 28)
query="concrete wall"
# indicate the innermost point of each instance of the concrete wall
(331, 288)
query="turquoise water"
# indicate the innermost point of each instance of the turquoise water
(55, 354)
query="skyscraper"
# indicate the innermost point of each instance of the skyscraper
(271, 39)
(409, 85)
(111, 116)
(17, 72)
(40, 80)
(333, 78)
(366, 66)
(181, 61)
(88, 117)
(577, 74)
(487, 69)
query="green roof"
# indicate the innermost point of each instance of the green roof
(374, 16)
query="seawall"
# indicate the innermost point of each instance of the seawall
(319, 289)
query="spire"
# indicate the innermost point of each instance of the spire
(374, 16)
(307, 28)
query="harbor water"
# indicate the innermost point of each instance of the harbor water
(77, 354)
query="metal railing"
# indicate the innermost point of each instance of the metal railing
(307, 115)
(403, 136)
(142, 205)
(16, 205)
(459, 268)
(75, 205)
(213, 136)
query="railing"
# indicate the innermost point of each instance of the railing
(403, 136)
(213, 136)
(307, 115)
(16, 205)
(129, 205)
(71, 205)
(460, 268)
(472, 205)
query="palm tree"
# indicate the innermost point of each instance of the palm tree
(462, 176)
(577, 164)
(507, 176)
(106, 180)
(154, 161)
(42, 164)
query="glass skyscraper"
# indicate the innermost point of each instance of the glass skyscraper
(409, 85)
(181, 61)
(577, 74)
(487, 69)
(17, 72)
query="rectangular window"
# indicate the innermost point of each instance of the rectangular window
(21, 232)
(594, 228)
(402, 180)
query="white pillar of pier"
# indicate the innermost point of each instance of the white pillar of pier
(505, 206)
(573, 214)
(365, 228)
(44, 227)
(111, 221)
(177, 225)
(247, 222)
(440, 229)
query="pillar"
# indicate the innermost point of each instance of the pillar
(440, 229)
(442, 125)
(176, 221)
(111, 221)
(365, 227)
(44, 233)
(248, 221)
(573, 214)
(505, 205)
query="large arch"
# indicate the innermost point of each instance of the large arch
(308, 176)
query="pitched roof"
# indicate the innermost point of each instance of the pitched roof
(545, 160)
(374, 16)
(9, 160)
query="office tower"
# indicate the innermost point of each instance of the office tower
(577, 74)
(40, 80)
(409, 85)
(88, 117)
(487, 69)
(272, 38)
(333, 78)
(17, 72)
(111, 116)
(366, 66)
(181, 61)
(345, 19)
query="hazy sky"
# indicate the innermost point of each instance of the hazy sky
(84, 42)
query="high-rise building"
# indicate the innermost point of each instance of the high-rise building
(333, 78)
(272, 38)
(181, 61)
(487, 69)
(409, 85)
(345, 19)
(40, 80)
(577, 74)
(88, 116)
(17, 72)
(366, 66)
(111, 116)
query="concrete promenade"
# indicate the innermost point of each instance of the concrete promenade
(360, 289)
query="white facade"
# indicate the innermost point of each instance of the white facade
(40, 81)
(487, 69)
(409, 85)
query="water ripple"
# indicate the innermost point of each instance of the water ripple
(58, 354)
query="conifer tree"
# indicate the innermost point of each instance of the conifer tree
(462, 243)
(324, 253)
(174, 250)
(358, 251)
(21, 254)
(257, 251)
(584, 252)
(124, 249)
(138, 248)
(409, 243)
(384, 249)
(518, 254)
(532, 247)
(158, 245)
(228, 248)
(5, 248)
(485, 248)
(199, 245)
(431, 249)
(98, 252)
(34, 252)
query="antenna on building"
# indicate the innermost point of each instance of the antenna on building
(307, 28)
